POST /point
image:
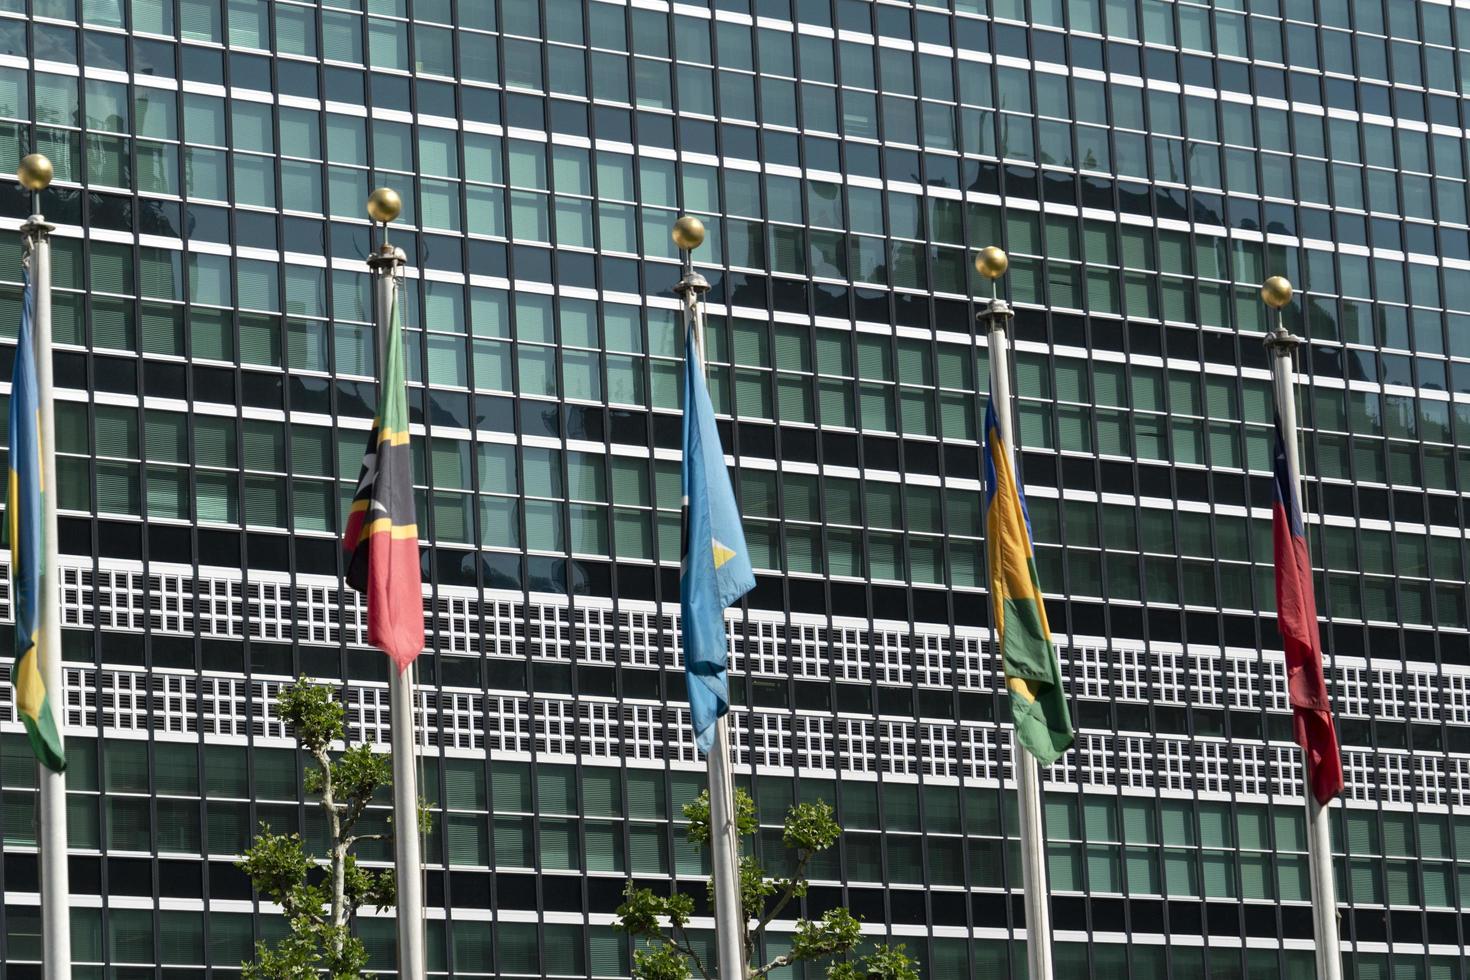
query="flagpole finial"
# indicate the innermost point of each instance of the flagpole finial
(384, 205)
(688, 233)
(992, 262)
(1276, 292)
(35, 172)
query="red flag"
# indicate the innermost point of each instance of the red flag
(382, 538)
(1296, 617)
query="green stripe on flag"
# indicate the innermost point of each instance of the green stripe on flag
(1038, 700)
(46, 739)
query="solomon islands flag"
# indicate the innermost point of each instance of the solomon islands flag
(1033, 675)
(25, 504)
(382, 536)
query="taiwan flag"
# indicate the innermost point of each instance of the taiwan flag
(1296, 617)
(382, 536)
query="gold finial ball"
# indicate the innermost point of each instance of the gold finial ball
(992, 262)
(35, 172)
(1276, 292)
(688, 233)
(384, 204)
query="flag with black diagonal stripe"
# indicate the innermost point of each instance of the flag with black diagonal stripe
(382, 537)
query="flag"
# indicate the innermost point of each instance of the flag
(1296, 618)
(1033, 675)
(716, 565)
(382, 539)
(25, 504)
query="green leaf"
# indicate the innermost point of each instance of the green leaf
(312, 714)
(835, 933)
(811, 827)
(890, 963)
(661, 962)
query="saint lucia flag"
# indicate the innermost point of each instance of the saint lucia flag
(27, 549)
(716, 570)
(1033, 676)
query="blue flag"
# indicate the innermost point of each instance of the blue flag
(716, 566)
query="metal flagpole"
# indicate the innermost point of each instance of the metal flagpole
(386, 264)
(996, 316)
(688, 235)
(1282, 344)
(35, 173)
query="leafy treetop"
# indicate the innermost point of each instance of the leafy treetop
(663, 922)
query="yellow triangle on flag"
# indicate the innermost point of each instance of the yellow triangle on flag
(722, 554)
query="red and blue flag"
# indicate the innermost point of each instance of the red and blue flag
(1296, 617)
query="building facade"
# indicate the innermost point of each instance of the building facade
(1146, 164)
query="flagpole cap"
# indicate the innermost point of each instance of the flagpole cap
(1276, 292)
(35, 172)
(688, 233)
(992, 262)
(384, 205)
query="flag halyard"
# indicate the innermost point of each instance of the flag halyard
(1296, 618)
(1033, 673)
(25, 509)
(381, 539)
(716, 568)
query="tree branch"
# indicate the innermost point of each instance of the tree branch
(687, 948)
(797, 877)
(785, 959)
(359, 838)
(353, 810)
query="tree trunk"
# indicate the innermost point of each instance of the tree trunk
(339, 897)
(339, 853)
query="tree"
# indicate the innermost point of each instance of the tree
(810, 828)
(320, 907)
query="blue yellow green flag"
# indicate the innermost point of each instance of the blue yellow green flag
(1033, 675)
(27, 548)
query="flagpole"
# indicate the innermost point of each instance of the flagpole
(386, 264)
(1277, 293)
(996, 315)
(36, 173)
(688, 234)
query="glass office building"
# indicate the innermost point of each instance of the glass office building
(1145, 163)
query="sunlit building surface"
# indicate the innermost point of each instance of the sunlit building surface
(1146, 164)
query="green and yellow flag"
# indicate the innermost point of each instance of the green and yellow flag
(1033, 676)
(27, 546)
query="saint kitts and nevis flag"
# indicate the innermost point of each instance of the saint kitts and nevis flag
(716, 568)
(1296, 618)
(1033, 674)
(382, 537)
(24, 505)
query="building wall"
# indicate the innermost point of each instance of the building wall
(1145, 163)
